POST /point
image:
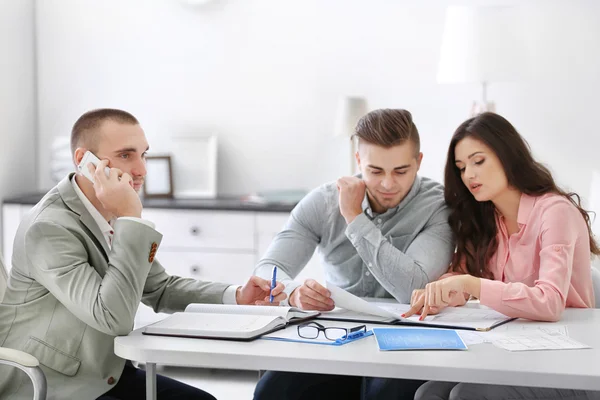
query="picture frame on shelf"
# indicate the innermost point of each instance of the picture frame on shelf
(159, 177)
(195, 166)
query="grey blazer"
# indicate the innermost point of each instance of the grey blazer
(69, 295)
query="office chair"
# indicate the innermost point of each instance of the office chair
(19, 359)
(596, 279)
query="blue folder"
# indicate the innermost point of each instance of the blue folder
(418, 339)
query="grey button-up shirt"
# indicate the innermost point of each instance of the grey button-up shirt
(376, 255)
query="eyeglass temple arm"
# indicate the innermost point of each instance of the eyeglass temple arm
(358, 328)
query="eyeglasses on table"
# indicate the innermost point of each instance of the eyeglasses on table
(312, 330)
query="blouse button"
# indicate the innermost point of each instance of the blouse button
(557, 248)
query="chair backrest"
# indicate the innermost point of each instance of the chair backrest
(596, 283)
(3, 277)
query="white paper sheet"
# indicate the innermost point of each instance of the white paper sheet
(508, 331)
(471, 337)
(538, 340)
(468, 317)
(351, 302)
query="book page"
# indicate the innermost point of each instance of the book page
(286, 312)
(214, 325)
(238, 309)
(349, 315)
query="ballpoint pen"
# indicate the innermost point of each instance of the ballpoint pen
(273, 283)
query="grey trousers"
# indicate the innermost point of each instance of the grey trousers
(434, 390)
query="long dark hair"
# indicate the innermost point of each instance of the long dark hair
(474, 222)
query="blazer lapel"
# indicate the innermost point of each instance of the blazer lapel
(69, 196)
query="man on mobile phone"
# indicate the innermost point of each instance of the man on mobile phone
(83, 260)
(381, 233)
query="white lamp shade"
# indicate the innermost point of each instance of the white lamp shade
(350, 110)
(481, 44)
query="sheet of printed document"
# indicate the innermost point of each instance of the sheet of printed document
(538, 340)
(509, 330)
(355, 308)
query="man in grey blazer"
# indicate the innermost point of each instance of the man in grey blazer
(83, 260)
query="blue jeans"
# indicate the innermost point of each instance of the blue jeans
(297, 386)
(132, 386)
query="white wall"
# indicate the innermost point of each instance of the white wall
(17, 98)
(266, 74)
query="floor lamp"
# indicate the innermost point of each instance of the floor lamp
(481, 45)
(350, 110)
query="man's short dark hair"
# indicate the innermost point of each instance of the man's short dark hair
(388, 127)
(84, 132)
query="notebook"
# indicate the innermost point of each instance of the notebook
(418, 339)
(353, 308)
(220, 321)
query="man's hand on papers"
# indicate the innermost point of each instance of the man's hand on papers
(257, 290)
(352, 193)
(312, 296)
(115, 191)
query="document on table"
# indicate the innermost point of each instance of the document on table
(509, 330)
(357, 309)
(525, 337)
(538, 340)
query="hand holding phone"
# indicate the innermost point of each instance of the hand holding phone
(115, 192)
(90, 158)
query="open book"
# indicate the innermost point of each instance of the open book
(220, 321)
(352, 308)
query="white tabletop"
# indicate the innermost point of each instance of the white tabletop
(482, 363)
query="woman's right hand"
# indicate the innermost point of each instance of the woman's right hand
(417, 300)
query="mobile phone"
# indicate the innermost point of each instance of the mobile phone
(89, 158)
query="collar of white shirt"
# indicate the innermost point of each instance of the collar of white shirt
(105, 228)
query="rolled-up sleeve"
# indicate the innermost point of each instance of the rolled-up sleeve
(399, 272)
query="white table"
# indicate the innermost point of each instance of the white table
(482, 363)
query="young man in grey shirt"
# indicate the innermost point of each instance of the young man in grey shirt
(382, 233)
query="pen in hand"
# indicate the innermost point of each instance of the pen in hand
(273, 283)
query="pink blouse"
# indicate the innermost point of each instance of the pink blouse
(544, 267)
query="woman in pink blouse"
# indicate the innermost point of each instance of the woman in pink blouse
(523, 244)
